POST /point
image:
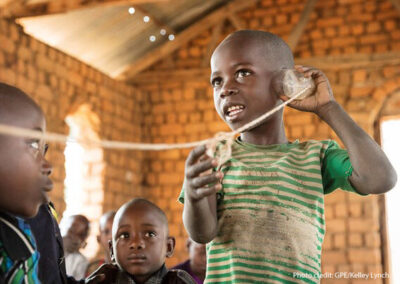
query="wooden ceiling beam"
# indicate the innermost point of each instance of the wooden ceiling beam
(50, 7)
(236, 22)
(295, 35)
(326, 63)
(216, 34)
(396, 4)
(219, 15)
(156, 20)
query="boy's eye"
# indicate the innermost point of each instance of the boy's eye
(242, 73)
(37, 146)
(150, 234)
(216, 82)
(34, 145)
(123, 236)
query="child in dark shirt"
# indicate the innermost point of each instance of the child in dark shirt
(140, 243)
(24, 184)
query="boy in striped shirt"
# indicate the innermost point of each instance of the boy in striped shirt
(262, 212)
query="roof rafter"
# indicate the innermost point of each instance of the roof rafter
(156, 20)
(396, 4)
(182, 38)
(236, 21)
(22, 8)
(337, 62)
(295, 35)
(215, 35)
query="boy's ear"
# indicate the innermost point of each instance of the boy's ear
(111, 251)
(170, 246)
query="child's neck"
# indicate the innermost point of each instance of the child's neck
(266, 134)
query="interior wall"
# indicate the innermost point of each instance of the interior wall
(60, 84)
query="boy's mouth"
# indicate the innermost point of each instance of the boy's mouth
(232, 111)
(136, 258)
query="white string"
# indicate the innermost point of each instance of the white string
(211, 142)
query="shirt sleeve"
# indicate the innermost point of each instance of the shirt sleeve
(336, 169)
(181, 197)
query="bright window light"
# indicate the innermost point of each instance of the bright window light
(390, 136)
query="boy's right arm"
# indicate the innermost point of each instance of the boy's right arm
(200, 187)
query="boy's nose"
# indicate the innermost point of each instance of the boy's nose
(228, 89)
(228, 92)
(137, 243)
(47, 168)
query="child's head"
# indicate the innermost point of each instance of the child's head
(197, 254)
(24, 171)
(105, 231)
(74, 230)
(242, 67)
(140, 241)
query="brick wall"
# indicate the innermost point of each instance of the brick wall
(60, 84)
(355, 43)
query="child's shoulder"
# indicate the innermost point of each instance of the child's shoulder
(324, 144)
(177, 276)
(14, 242)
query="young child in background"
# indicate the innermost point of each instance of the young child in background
(24, 184)
(105, 230)
(263, 211)
(75, 230)
(140, 244)
(197, 262)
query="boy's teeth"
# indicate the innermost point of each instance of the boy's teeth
(234, 110)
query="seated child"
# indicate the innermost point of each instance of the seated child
(197, 262)
(75, 230)
(105, 230)
(140, 244)
(24, 184)
(262, 213)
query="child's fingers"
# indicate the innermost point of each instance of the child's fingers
(193, 171)
(207, 191)
(202, 181)
(195, 154)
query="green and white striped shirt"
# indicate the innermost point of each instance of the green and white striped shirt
(271, 212)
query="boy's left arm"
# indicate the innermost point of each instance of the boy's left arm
(372, 171)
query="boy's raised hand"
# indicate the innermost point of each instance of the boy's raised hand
(199, 181)
(322, 95)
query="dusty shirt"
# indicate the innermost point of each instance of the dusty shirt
(271, 212)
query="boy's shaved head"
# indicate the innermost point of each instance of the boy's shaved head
(139, 203)
(276, 50)
(105, 218)
(24, 170)
(140, 241)
(13, 101)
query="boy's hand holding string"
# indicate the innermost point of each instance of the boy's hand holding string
(372, 171)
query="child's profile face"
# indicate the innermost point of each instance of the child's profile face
(106, 233)
(140, 242)
(76, 234)
(24, 171)
(241, 73)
